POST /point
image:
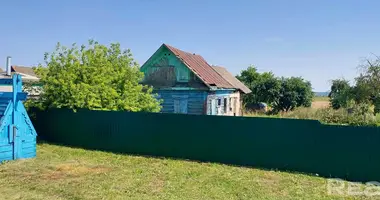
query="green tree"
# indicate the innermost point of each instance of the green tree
(265, 87)
(249, 77)
(340, 93)
(282, 94)
(94, 77)
(367, 87)
(295, 92)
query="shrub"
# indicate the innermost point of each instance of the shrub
(332, 116)
(362, 115)
(358, 115)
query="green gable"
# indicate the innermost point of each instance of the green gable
(163, 69)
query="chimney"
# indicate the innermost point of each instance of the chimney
(8, 66)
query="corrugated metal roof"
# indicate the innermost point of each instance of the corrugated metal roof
(25, 77)
(201, 68)
(23, 70)
(232, 79)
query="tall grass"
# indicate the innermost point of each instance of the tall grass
(328, 115)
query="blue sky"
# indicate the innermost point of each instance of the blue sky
(318, 40)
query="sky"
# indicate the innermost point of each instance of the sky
(319, 40)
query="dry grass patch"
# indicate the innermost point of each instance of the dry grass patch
(320, 104)
(72, 170)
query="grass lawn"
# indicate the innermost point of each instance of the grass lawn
(69, 173)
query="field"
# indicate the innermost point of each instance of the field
(299, 113)
(69, 173)
(320, 102)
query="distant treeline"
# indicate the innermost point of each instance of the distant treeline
(321, 94)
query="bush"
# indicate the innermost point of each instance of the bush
(358, 115)
(332, 116)
(362, 115)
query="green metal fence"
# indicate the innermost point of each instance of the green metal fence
(286, 144)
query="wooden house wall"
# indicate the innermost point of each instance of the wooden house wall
(224, 102)
(183, 101)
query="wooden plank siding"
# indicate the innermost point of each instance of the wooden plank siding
(195, 100)
(17, 134)
(165, 70)
(231, 98)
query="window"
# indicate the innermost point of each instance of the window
(225, 105)
(219, 102)
(182, 74)
(230, 104)
(180, 104)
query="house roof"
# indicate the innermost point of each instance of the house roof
(27, 73)
(232, 79)
(23, 70)
(201, 68)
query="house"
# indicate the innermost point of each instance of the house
(241, 89)
(27, 74)
(188, 84)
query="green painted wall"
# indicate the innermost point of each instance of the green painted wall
(164, 69)
(286, 144)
